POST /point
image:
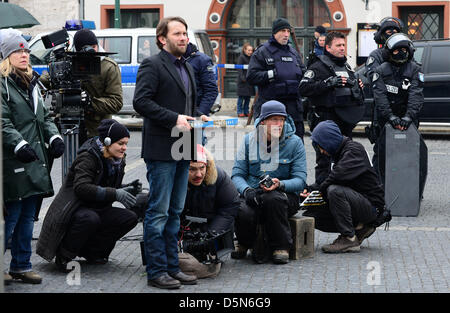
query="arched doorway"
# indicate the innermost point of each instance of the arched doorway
(231, 23)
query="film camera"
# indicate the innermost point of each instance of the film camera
(208, 246)
(68, 100)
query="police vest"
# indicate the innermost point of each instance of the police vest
(286, 63)
(397, 87)
(346, 96)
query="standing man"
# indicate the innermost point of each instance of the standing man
(165, 96)
(397, 92)
(334, 92)
(276, 68)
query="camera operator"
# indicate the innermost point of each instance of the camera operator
(212, 195)
(281, 155)
(102, 93)
(81, 220)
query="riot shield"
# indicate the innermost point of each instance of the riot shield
(405, 169)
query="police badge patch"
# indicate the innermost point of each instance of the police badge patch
(375, 77)
(309, 74)
(421, 77)
(370, 60)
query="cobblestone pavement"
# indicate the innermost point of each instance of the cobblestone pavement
(413, 256)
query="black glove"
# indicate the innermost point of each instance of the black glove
(334, 81)
(251, 197)
(57, 148)
(405, 121)
(124, 196)
(394, 120)
(26, 154)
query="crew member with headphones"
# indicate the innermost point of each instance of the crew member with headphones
(84, 202)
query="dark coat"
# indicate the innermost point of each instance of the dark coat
(160, 97)
(205, 78)
(244, 89)
(79, 189)
(215, 199)
(25, 119)
(352, 168)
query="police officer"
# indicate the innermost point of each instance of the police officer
(334, 93)
(276, 68)
(397, 91)
(387, 27)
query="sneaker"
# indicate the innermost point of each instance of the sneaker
(27, 277)
(7, 279)
(280, 256)
(342, 244)
(239, 253)
(241, 115)
(364, 233)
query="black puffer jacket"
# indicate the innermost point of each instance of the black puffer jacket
(215, 199)
(89, 170)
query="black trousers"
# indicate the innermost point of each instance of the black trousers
(273, 212)
(323, 162)
(349, 208)
(93, 234)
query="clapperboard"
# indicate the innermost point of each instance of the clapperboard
(314, 199)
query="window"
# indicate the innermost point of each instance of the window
(204, 45)
(418, 54)
(424, 22)
(146, 47)
(134, 18)
(439, 60)
(120, 45)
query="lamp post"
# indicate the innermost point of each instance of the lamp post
(117, 14)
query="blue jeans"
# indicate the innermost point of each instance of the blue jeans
(242, 104)
(19, 223)
(168, 181)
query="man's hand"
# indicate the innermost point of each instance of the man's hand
(305, 193)
(395, 122)
(335, 81)
(205, 118)
(251, 197)
(276, 184)
(182, 122)
(361, 84)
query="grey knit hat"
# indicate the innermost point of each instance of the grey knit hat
(272, 107)
(11, 42)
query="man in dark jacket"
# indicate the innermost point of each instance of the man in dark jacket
(334, 93)
(397, 93)
(352, 189)
(211, 194)
(165, 96)
(205, 78)
(277, 68)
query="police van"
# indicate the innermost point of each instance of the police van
(131, 46)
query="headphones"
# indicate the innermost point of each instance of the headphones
(108, 140)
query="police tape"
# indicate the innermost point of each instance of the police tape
(215, 123)
(233, 66)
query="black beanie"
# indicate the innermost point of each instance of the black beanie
(84, 37)
(112, 129)
(279, 24)
(320, 29)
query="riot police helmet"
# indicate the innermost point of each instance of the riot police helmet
(400, 47)
(387, 23)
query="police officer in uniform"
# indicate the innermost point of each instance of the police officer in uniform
(397, 90)
(334, 93)
(388, 27)
(277, 68)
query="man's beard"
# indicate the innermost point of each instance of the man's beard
(175, 50)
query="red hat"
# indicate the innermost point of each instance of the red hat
(201, 154)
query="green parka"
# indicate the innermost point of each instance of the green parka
(25, 120)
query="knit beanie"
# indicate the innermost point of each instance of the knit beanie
(112, 129)
(279, 24)
(12, 41)
(201, 154)
(84, 37)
